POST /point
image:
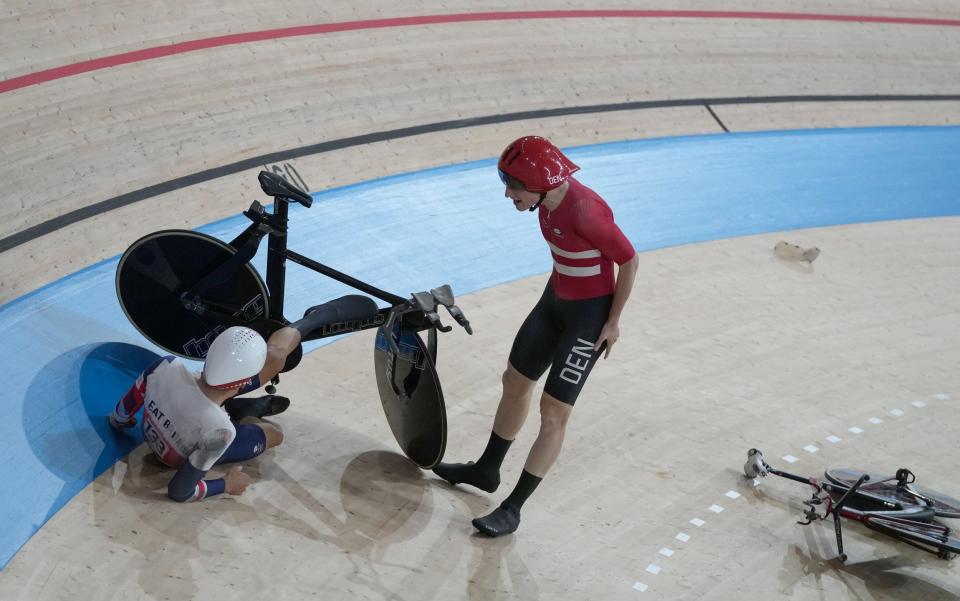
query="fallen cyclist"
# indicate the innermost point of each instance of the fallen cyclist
(192, 420)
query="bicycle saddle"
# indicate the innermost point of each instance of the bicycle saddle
(276, 186)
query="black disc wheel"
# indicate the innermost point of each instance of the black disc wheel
(411, 395)
(156, 271)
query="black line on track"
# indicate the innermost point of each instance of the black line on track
(715, 118)
(129, 198)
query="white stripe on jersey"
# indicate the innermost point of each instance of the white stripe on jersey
(566, 254)
(576, 272)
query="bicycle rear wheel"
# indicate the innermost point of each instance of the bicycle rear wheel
(157, 269)
(929, 536)
(943, 505)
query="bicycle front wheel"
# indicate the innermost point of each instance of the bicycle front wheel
(943, 505)
(157, 269)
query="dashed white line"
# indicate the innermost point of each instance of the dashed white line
(810, 448)
(855, 430)
(790, 459)
(834, 439)
(732, 494)
(639, 586)
(682, 537)
(919, 404)
(666, 551)
(697, 522)
(654, 569)
(896, 412)
(940, 396)
(875, 420)
(716, 508)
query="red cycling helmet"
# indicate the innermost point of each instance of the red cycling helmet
(536, 163)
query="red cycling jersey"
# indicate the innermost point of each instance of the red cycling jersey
(585, 243)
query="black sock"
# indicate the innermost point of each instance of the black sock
(493, 455)
(506, 518)
(524, 488)
(485, 473)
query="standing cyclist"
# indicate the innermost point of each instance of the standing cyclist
(575, 320)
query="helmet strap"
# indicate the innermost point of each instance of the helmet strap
(534, 207)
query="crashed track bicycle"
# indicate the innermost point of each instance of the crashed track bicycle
(181, 288)
(893, 505)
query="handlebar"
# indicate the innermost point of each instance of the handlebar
(426, 303)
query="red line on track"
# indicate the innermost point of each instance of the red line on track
(38, 77)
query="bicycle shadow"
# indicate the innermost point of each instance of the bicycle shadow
(883, 578)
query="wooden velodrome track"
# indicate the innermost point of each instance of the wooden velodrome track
(660, 433)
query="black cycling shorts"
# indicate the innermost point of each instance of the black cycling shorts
(560, 334)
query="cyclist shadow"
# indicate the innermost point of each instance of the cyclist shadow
(65, 414)
(384, 502)
(492, 558)
(131, 508)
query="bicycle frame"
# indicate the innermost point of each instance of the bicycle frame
(216, 287)
(417, 314)
(911, 523)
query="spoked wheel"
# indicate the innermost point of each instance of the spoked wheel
(943, 505)
(157, 269)
(410, 394)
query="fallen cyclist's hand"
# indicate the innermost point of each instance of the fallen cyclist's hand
(235, 482)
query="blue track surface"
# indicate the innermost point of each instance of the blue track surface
(71, 353)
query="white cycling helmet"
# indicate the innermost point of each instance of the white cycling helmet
(235, 356)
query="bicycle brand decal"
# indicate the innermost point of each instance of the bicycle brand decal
(198, 347)
(252, 309)
(343, 327)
